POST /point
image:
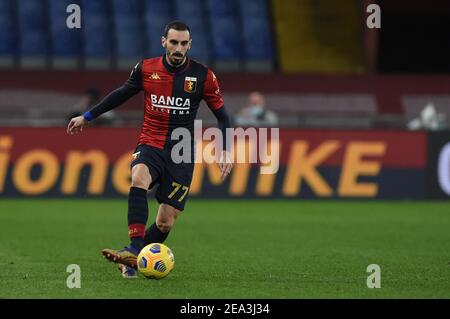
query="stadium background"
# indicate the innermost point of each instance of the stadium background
(344, 95)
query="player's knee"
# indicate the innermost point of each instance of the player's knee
(139, 181)
(166, 217)
(140, 176)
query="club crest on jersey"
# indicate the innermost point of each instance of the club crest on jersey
(190, 84)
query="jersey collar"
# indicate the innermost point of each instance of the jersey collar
(173, 69)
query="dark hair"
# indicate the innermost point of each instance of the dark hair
(176, 25)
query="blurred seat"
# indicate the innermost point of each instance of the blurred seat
(65, 42)
(225, 31)
(97, 50)
(33, 38)
(313, 110)
(129, 32)
(193, 13)
(25, 107)
(8, 34)
(157, 13)
(257, 35)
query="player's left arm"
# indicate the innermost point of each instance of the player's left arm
(213, 97)
(224, 122)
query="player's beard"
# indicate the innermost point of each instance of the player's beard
(176, 59)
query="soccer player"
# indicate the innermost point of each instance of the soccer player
(173, 85)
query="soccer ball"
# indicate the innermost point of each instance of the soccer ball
(155, 261)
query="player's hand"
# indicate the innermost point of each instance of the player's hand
(76, 125)
(225, 164)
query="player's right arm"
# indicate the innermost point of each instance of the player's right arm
(130, 88)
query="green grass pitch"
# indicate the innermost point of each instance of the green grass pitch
(232, 249)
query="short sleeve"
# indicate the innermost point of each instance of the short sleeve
(211, 92)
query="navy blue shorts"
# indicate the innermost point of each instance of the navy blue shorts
(174, 179)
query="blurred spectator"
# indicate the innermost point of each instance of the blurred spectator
(255, 113)
(429, 119)
(91, 97)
